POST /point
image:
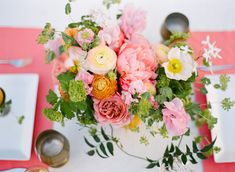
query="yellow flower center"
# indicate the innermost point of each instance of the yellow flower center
(85, 35)
(101, 58)
(101, 84)
(175, 66)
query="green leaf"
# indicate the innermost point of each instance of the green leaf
(20, 119)
(166, 151)
(167, 92)
(217, 86)
(110, 147)
(224, 80)
(201, 156)
(170, 160)
(172, 148)
(178, 152)
(73, 25)
(100, 154)
(104, 135)
(64, 79)
(50, 55)
(52, 97)
(66, 109)
(195, 148)
(67, 39)
(46, 34)
(203, 90)
(88, 143)
(188, 151)
(192, 160)
(96, 138)
(102, 148)
(91, 152)
(208, 147)
(52, 114)
(206, 81)
(184, 159)
(151, 165)
(67, 9)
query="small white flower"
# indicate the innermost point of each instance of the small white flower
(180, 66)
(103, 17)
(186, 49)
(76, 56)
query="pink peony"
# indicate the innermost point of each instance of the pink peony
(132, 21)
(87, 78)
(58, 67)
(175, 117)
(136, 61)
(137, 87)
(112, 111)
(85, 36)
(112, 36)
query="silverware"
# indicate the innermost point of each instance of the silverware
(18, 62)
(15, 170)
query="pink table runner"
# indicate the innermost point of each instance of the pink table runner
(225, 41)
(20, 43)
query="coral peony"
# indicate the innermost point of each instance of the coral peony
(175, 117)
(136, 61)
(112, 111)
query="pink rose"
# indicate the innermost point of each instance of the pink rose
(175, 117)
(136, 61)
(87, 78)
(112, 36)
(132, 21)
(112, 111)
(58, 67)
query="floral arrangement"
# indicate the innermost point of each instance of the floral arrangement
(109, 74)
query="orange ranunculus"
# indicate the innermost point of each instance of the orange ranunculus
(103, 87)
(72, 32)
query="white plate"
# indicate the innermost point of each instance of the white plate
(224, 130)
(16, 139)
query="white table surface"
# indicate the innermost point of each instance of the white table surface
(204, 15)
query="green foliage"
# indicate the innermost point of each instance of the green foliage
(207, 117)
(177, 36)
(104, 145)
(20, 119)
(77, 91)
(193, 109)
(144, 140)
(67, 9)
(227, 104)
(206, 81)
(50, 55)
(5, 106)
(52, 114)
(223, 82)
(64, 79)
(203, 90)
(52, 98)
(108, 3)
(173, 152)
(47, 34)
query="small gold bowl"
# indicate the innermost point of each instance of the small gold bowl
(52, 148)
